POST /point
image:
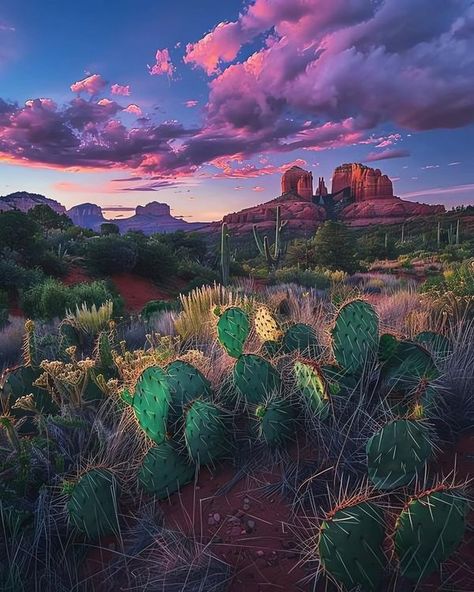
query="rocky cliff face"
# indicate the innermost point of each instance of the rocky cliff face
(298, 182)
(364, 182)
(87, 215)
(24, 201)
(371, 194)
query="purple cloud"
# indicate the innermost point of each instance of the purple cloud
(387, 155)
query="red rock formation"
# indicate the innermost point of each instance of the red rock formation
(388, 210)
(300, 214)
(365, 182)
(322, 190)
(297, 181)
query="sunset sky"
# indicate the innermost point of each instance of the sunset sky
(203, 103)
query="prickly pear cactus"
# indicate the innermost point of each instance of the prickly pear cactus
(186, 383)
(92, 506)
(428, 531)
(275, 422)
(233, 328)
(164, 470)
(387, 346)
(205, 432)
(355, 336)
(266, 325)
(271, 348)
(151, 403)
(314, 387)
(439, 345)
(350, 546)
(398, 453)
(407, 365)
(301, 338)
(255, 378)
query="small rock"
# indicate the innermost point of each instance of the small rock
(217, 517)
(211, 521)
(246, 507)
(250, 525)
(260, 553)
(246, 500)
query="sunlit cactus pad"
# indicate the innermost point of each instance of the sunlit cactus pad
(255, 378)
(233, 328)
(355, 336)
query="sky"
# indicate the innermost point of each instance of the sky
(203, 104)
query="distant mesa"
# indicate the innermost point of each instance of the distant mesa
(24, 201)
(360, 196)
(151, 218)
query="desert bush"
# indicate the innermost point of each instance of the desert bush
(310, 278)
(14, 277)
(334, 247)
(157, 306)
(111, 254)
(90, 320)
(196, 274)
(52, 299)
(155, 259)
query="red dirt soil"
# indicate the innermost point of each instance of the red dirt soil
(249, 531)
(136, 291)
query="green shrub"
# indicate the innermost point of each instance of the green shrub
(157, 306)
(310, 278)
(111, 254)
(155, 259)
(14, 277)
(52, 299)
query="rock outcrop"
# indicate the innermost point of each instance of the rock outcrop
(297, 181)
(24, 201)
(360, 196)
(87, 215)
(364, 182)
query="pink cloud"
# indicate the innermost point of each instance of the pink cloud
(258, 188)
(134, 110)
(118, 89)
(93, 85)
(191, 103)
(163, 64)
(250, 171)
(387, 155)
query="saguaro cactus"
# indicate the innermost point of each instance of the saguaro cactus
(225, 254)
(272, 258)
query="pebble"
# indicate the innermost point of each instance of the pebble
(260, 553)
(250, 525)
(246, 507)
(211, 521)
(217, 517)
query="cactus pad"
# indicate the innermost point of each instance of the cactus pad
(313, 386)
(186, 383)
(275, 422)
(93, 504)
(271, 348)
(350, 546)
(428, 531)
(233, 328)
(266, 325)
(387, 346)
(164, 470)
(151, 403)
(301, 338)
(439, 345)
(206, 434)
(355, 336)
(408, 364)
(398, 453)
(255, 378)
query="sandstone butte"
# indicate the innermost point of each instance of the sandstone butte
(360, 196)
